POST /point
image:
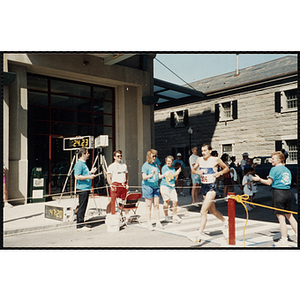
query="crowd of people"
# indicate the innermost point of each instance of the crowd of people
(207, 172)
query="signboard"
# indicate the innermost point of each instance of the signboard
(76, 143)
(38, 182)
(59, 213)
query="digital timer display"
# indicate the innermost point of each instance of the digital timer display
(78, 142)
(54, 212)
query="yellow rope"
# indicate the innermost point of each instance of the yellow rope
(243, 199)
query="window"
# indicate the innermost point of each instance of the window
(226, 111)
(180, 118)
(291, 98)
(286, 101)
(227, 149)
(292, 150)
(289, 143)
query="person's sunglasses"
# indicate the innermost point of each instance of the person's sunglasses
(119, 155)
(154, 156)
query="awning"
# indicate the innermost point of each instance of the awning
(172, 94)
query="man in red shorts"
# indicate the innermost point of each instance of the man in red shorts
(117, 178)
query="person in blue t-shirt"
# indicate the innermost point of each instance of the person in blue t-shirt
(178, 163)
(150, 187)
(280, 178)
(167, 188)
(84, 179)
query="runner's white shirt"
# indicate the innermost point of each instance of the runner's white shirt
(208, 167)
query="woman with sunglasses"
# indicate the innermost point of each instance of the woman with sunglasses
(150, 188)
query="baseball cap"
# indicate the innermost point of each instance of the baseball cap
(178, 154)
(245, 154)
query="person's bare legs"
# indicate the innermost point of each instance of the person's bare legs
(156, 210)
(148, 203)
(166, 207)
(293, 222)
(195, 192)
(209, 205)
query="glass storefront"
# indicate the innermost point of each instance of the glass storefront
(58, 109)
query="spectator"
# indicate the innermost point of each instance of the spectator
(247, 184)
(228, 184)
(150, 187)
(117, 178)
(83, 187)
(244, 161)
(280, 178)
(167, 189)
(195, 177)
(178, 163)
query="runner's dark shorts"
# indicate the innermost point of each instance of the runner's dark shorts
(208, 188)
(282, 199)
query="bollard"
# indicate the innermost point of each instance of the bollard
(231, 219)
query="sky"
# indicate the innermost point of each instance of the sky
(193, 67)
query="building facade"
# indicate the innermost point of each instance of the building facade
(51, 96)
(252, 110)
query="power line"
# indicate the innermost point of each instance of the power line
(175, 74)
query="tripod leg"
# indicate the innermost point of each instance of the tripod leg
(69, 174)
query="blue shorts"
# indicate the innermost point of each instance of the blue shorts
(150, 192)
(196, 178)
(210, 187)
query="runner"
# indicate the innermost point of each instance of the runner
(204, 166)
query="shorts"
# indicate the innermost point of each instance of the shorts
(196, 178)
(282, 199)
(168, 193)
(227, 181)
(118, 190)
(210, 187)
(150, 192)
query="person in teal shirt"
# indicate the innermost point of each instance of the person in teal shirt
(150, 187)
(280, 179)
(84, 179)
(167, 189)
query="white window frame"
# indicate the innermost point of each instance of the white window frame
(178, 118)
(286, 140)
(284, 95)
(225, 114)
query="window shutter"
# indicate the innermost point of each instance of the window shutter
(217, 112)
(186, 117)
(277, 102)
(278, 145)
(234, 110)
(172, 120)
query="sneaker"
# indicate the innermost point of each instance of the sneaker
(150, 227)
(84, 228)
(176, 219)
(168, 219)
(197, 239)
(159, 225)
(281, 243)
(248, 207)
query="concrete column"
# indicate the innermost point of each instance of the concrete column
(18, 161)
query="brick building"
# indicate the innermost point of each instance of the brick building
(253, 109)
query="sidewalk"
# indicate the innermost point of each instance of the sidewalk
(26, 226)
